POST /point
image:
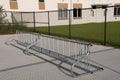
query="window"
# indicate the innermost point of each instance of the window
(117, 11)
(77, 12)
(41, 0)
(62, 13)
(13, 0)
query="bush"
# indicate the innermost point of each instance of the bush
(3, 15)
(11, 28)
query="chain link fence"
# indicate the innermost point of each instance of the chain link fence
(97, 24)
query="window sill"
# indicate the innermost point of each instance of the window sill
(116, 15)
(77, 17)
(62, 18)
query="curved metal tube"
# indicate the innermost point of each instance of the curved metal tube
(79, 59)
(26, 51)
(10, 39)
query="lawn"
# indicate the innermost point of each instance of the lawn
(92, 32)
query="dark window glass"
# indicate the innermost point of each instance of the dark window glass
(74, 12)
(79, 12)
(115, 11)
(41, 0)
(119, 11)
(13, 0)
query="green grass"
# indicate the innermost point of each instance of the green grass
(92, 32)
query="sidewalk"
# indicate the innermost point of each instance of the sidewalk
(15, 65)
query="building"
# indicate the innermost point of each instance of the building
(59, 14)
(47, 5)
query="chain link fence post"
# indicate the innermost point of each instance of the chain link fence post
(105, 25)
(34, 21)
(48, 22)
(70, 21)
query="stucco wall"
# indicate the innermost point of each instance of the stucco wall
(33, 5)
(42, 17)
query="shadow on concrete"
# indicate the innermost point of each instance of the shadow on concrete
(104, 66)
(104, 50)
(60, 67)
(27, 65)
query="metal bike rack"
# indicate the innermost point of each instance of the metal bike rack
(72, 52)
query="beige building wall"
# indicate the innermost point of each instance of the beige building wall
(48, 5)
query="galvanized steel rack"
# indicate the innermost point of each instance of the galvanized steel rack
(71, 52)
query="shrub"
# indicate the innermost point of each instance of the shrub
(11, 28)
(3, 15)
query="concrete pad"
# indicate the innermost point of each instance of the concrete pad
(11, 56)
(15, 65)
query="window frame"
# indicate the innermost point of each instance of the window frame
(62, 13)
(42, 1)
(117, 11)
(78, 13)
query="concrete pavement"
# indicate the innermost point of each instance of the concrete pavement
(15, 65)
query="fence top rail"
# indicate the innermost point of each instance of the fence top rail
(55, 37)
(55, 10)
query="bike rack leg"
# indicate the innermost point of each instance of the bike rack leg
(26, 51)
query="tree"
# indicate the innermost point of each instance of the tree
(2, 15)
